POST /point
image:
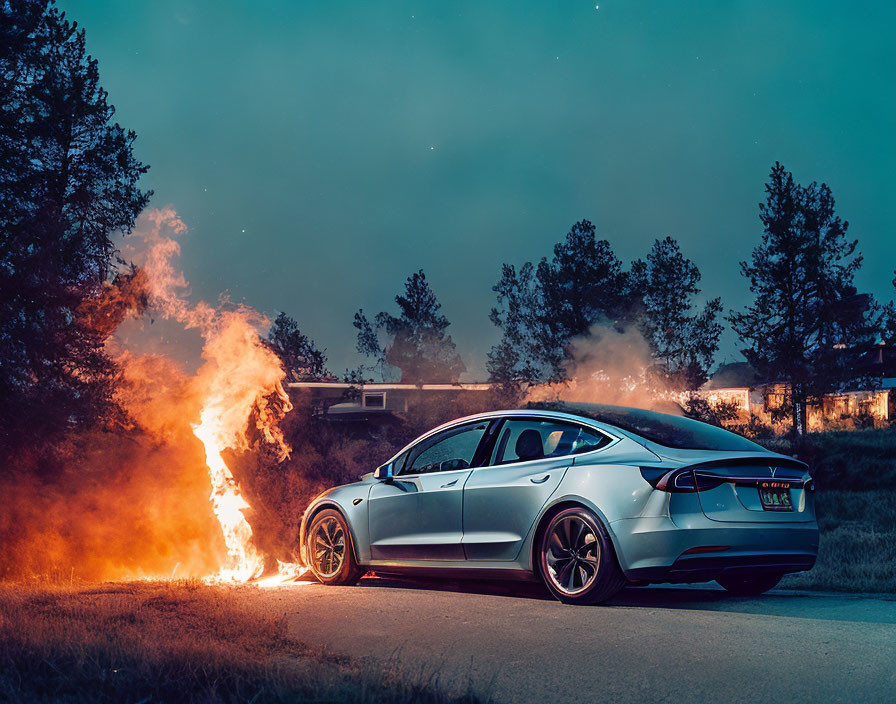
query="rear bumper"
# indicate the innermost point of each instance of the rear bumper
(654, 549)
(705, 569)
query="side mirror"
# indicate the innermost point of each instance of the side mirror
(383, 472)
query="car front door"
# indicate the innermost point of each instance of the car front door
(418, 514)
(503, 498)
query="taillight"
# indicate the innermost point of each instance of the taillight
(678, 480)
(699, 478)
(681, 480)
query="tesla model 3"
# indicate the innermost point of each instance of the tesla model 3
(586, 497)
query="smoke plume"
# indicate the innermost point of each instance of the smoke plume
(611, 367)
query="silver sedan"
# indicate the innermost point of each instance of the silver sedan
(587, 498)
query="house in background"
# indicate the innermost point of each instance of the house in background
(875, 399)
(735, 383)
(341, 401)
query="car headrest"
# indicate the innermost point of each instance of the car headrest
(564, 445)
(528, 445)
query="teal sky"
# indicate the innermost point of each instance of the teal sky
(321, 152)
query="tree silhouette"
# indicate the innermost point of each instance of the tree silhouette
(517, 358)
(888, 320)
(805, 308)
(418, 344)
(541, 309)
(301, 360)
(682, 340)
(68, 181)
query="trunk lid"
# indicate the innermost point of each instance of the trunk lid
(733, 491)
(731, 486)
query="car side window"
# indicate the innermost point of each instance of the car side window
(528, 439)
(451, 449)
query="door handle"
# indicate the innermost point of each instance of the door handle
(445, 486)
(542, 480)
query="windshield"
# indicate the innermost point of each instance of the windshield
(661, 428)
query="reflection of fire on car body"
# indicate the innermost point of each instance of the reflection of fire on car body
(586, 497)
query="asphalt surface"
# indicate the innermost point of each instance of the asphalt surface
(650, 644)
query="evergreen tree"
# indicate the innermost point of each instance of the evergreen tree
(515, 360)
(418, 343)
(302, 361)
(541, 309)
(888, 320)
(805, 309)
(368, 344)
(683, 341)
(68, 182)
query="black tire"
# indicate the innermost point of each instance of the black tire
(328, 544)
(751, 585)
(576, 559)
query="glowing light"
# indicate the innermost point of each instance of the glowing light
(228, 505)
(240, 380)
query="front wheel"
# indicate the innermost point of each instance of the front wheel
(329, 549)
(752, 585)
(576, 559)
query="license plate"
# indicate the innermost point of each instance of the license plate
(775, 496)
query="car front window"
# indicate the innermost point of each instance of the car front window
(451, 449)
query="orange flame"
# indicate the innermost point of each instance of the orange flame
(237, 376)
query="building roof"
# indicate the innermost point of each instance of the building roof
(381, 386)
(736, 375)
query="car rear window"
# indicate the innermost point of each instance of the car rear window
(662, 428)
(558, 439)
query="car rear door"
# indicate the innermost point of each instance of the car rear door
(502, 500)
(418, 514)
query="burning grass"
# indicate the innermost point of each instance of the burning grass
(172, 641)
(857, 550)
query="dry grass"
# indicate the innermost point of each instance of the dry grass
(171, 642)
(857, 549)
(853, 460)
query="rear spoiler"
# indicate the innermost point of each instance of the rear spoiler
(710, 474)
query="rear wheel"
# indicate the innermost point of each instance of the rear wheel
(329, 549)
(576, 559)
(751, 585)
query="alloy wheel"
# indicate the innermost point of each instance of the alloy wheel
(573, 555)
(328, 547)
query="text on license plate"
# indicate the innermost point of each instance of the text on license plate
(775, 496)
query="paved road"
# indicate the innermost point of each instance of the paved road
(655, 644)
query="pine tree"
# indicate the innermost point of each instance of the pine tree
(683, 341)
(301, 359)
(805, 308)
(515, 360)
(541, 309)
(418, 343)
(68, 182)
(888, 320)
